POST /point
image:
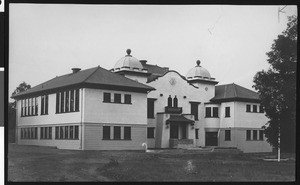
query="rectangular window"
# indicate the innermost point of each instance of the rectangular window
(76, 132)
(26, 104)
(248, 108)
(66, 132)
(117, 98)
(106, 97)
(57, 133)
(261, 135)
(208, 112)
(71, 135)
(57, 102)
(42, 132)
(67, 102)
(117, 132)
(215, 112)
(36, 132)
(127, 133)
(106, 132)
(227, 111)
(227, 135)
(22, 106)
(36, 106)
(248, 135)
(254, 108)
(127, 98)
(33, 106)
(46, 104)
(197, 133)
(29, 106)
(261, 109)
(150, 108)
(77, 100)
(62, 102)
(254, 134)
(42, 105)
(150, 132)
(61, 132)
(72, 101)
(194, 110)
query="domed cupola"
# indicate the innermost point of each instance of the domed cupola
(199, 73)
(129, 63)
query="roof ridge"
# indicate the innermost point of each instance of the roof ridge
(91, 74)
(234, 90)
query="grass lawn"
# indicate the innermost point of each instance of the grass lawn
(32, 163)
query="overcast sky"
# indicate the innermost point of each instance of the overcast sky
(230, 41)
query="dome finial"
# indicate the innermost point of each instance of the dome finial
(128, 51)
(198, 62)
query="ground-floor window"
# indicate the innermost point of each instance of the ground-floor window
(46, 133)
(150, 132)
(116, 133)
(227, 135)
(127, 133)
(197, 133)
(256, 135)
(29, 133)
(66, 132)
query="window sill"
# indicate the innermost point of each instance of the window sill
(45, 139)
(117, 103)
(66, 112)
(66, 139)
(116, 139)
(227, 116)
(150, 138)
(152, 118)
(211, 117)
(44, 114)
(28, 116)
(227, 140)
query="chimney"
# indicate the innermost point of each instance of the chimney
(143, 62)
(75, 70)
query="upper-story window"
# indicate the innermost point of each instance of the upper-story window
(44, 105)
(227, 111)
(214, 113)
(248, 108)
(194, 109)
(261, 109)
(254, 108)
(106, 97)
(117, 98)
(127, 98)
(150, 108)
(29, 107)
(67, 101)
(208, 112)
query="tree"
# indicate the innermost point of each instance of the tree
(12, 111)
(277, 88)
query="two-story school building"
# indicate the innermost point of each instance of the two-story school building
(135, 103)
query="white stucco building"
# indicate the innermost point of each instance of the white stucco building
(136, 102)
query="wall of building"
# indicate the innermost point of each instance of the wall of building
(238, 140)
(52, 117)
(97, 111)
(73, 144)
(226, 122)
(93, 137)
(249, 119)
(173, 84)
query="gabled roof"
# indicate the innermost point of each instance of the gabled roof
(178, 119)
(96, 77)
(234, 92)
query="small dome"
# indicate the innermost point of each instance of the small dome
(128, 62)
(198, 72)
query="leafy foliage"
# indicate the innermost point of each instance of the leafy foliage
(277, 88)
(21, 88)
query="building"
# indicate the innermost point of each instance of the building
(135, 103)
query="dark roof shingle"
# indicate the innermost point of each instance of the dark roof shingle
(92, 76)
(233, 91)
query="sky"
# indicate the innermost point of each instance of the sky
(231, 41)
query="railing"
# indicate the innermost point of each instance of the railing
(174, 110)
